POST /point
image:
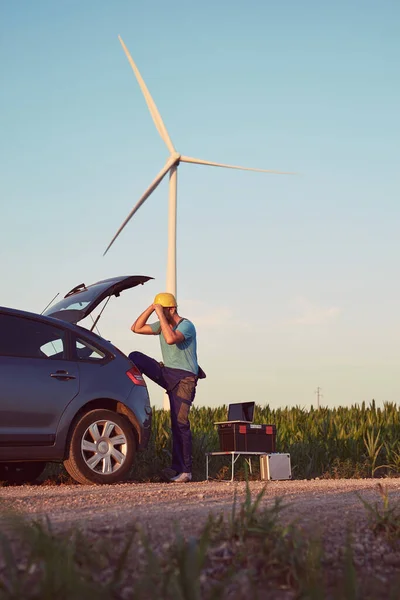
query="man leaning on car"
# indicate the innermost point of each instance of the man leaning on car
(177, 374)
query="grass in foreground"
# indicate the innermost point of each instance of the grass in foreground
(249, 554)
(384, 518)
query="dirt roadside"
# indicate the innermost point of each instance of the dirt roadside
(323, 509)
(327, 505)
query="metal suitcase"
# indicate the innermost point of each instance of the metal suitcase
(275, 467)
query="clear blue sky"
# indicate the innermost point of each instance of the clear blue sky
(292, 281)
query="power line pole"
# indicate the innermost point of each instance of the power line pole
(319, 395)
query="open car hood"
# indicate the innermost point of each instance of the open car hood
(82, 299)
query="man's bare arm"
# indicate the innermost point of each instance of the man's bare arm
(171, 336)
(140, 325)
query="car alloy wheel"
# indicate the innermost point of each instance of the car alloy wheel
(104, 447)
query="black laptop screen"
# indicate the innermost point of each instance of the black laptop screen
(243, 411)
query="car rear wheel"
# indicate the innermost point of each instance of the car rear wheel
(102, 448)
(21, 472)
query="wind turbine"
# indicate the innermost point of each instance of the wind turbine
(170, 167)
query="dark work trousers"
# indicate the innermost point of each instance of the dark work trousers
(181, 389)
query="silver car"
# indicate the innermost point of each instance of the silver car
(68, 395)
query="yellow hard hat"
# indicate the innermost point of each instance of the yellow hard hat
(165, 299)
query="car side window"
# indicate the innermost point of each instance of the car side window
(86, 351)
(28, 338)
(53, 349)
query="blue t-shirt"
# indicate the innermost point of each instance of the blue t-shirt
(182, 355)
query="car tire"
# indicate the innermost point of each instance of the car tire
(102, 448)
(21, 472)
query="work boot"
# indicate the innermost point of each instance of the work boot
(182, 478)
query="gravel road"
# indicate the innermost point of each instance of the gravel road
(322, 508)
(327, 504)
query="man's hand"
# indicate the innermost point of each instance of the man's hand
(159, 310)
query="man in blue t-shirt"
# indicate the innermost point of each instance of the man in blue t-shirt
(177, 374)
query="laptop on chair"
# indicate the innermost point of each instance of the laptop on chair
(241, 412)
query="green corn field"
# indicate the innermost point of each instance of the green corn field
(356, 441)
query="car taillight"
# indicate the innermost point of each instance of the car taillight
(135, 375)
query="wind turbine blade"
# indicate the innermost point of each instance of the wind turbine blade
(143, 199)
(158, 122)
(199, 161)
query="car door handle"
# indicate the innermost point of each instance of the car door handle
(62, 375)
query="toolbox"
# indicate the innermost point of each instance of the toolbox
(275, 466)
(246, 437)
(240, 434)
